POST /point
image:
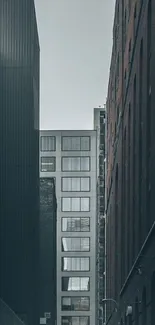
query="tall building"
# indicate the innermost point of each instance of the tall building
(19, 158)
(99, 126)
(70, 157)
(130, 166)
(48, 207)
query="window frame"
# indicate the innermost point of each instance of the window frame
(79, 197)
(48, 171)
(70, 319)
(71, 257)
(80, 224)
(77, 251)
(74, 136)
(47, 136)
(88, 297)
(77, 171)
(78, 277)
(76, 177)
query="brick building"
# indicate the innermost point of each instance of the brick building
(130, 274)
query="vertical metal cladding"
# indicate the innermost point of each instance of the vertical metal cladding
(19, 157)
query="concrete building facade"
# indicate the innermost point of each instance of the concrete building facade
(130, 160)
(70, 157)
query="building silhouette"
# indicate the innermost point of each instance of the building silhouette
(130, 274)
(19, 158)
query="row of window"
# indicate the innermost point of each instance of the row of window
(77, 224)
(48, 143)
(75, 283)
(75, 244)
(75, 204)
(75, 264)
(71, 164)
(75, 303)
(75, 320)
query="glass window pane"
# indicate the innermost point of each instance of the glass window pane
(66, 303)
(85, 224)
(48, 164)
(84, 320)
(75, 321)
(84, 286)
(76, 184)
(85, 244)
(76, 143)
(47, 143)
(66, 244)
(66, 184)
(65, 222)
(85, 184)
(66, 164)
(85, 204)
(85, 303)
(75, 204)
(85, 143)
(66, 204)
(75, 163)
(85, 164)
(66, 143)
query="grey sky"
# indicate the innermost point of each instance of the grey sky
(75, 41)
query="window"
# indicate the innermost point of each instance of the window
(75, 143)
(47, 143)
(75, 204)
(76, 224)
(75, 304)
(75, 284)
(75, 320)
(75, 184)
(75, 164)
(75, 264)
(75, 244)
(48, 164)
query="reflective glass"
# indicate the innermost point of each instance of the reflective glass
(75, 163)
(48, 143)
(75, 264)
(75, 284)
(48, 164)
(85, 143)
(75, 304)
(66, 204)
(75, 184)
(85, 184)
(85, 204)
(66, 183)
(85, 163)
(66, 143)
(75, 204)
(75, 244)
(75, 320)
(75, 143)
(76, 224)
(66, 164)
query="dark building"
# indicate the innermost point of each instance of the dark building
(48, 208)
(130, 274)
(100, 127)
(19, 158)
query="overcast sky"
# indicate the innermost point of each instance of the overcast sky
(75, 43)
